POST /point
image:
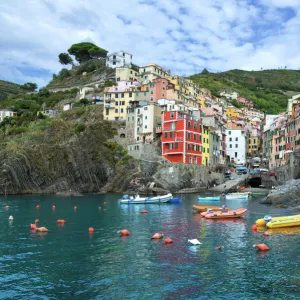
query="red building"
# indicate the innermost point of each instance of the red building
(181, 138)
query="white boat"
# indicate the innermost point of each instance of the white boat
(239, 196)
(147, 200)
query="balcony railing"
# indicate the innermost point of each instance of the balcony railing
(109, 106)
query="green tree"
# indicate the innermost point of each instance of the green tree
(204, 71)
(29, 86)
(86, 51)
(65, 59)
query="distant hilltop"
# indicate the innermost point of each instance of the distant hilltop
(9, 88)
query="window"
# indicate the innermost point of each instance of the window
(171, 134)
(128, 119)
(138, 111)
(122, 95)
(166, 134)
(132, 118)
(136, 93)
(195, 137)
(236, 145)
(151, 92)
(123, 103)
(122, 110)
(116, 95)
(123, 54)
(203, 149)
(170, 146)
(189, 124)
(229, 132)
(130, 94)
(145, 126)
(117, 102)
(146, 117)
(116, 110)
(145, 93)
(207, 150)
(114, 63)
(195, 125)
(107, 111)
(118, 79)
(163, 95)
(151, 98)
(204, 140)
(172, 115)
(235, 154)
(230, 145)
(189, 146)
(236, 139)
(230, 139)
(189, 135)
(176, 145)
(130, 72)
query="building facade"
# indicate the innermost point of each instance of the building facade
(181, 138)
(205, 146)
(119, 59)
(236, 145)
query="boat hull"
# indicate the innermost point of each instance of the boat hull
(203, 199)
(236, 213)
(262, 222)
(203, 208)
(148, 200)
(289, 221)
(238, 196)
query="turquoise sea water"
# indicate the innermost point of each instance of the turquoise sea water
(70, 263)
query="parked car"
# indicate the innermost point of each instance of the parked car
(241, 170)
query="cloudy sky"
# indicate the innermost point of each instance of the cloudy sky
(183, 36)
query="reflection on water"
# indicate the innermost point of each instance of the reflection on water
(68, 262)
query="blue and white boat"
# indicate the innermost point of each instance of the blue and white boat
(203, 199)
(238, 196)
(147, 200)
(175, 200)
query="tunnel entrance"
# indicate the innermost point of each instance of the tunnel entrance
(254, 182)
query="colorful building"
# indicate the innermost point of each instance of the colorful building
(126, 74)
(152, 71)
(158, 88)
(117, 98)
(205, 146)
(181, 138)
(236, 145)
(231, 111)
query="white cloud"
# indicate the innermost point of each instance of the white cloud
(183, 36)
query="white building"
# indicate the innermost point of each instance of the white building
(291, 101)
(119, 59)
(6, 114)
(236, 145)
(230, 95)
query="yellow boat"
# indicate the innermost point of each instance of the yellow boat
(262, 222)
(289, 221)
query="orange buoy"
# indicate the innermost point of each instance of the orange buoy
(91, 230)
(104, 203)
(168, 241)
(262, 247)
(36, 221)
(254, 227)
(38, 206)
(6, 207)
(42, 229)
(32, 226)
(124, 232)
(61, 221)
(267, 233)
(157, 236)
(144, 211)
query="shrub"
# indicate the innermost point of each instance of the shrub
(79, 128)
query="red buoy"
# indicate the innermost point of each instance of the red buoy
(104, 203)
(91, 230)
(254, 227)
(168, 241)
(267, 233)
(53, 207)
(6, 207)
(38, 206)
(75, 207)
(262, 247)
(124, 232)
(32, 226)
(61, 221)
(157, 236)
(144, 211)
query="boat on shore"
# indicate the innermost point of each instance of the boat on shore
(235, 213)
(239, 196)
(203, 199)
(145, 200)
(203, 208)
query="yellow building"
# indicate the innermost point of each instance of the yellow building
(126, 74)
(231, 111)
(205, 146)
(117, 98)
(201, 101)
(152, 71)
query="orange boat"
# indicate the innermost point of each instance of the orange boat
(202, 208)
(235, 213)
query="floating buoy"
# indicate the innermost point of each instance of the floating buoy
(262, 247)
(254, 227)
(157, 236)
(219, 248)
(42, 229)
(194, 242)
(144, 211)
(75, 207)
(11, 218)
(91, 230)
(61, 221)
(32, 226)
(53, 207)
(261, 222)
(124, 232)
(267, 233)
(38, 206)
(104, 203)
(99, 208)
(37, 221)
(6, 207)
(168, 241)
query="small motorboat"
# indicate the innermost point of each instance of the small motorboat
(147, 200)
(288, 221)
(203, 208)
(239, 196)
(214, 198)
(235, 213)
(175, 200)
(267, 219)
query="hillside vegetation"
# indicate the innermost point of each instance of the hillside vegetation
(8, 88)
(267, 89)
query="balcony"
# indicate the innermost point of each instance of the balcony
(140, 122)
(158, 129)
(107, 105)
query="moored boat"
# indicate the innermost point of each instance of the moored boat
(203, 208)
(203, 199)
(235, 213)
(239, 196)
(175, 200)
(267, 219)
(147, 200)
(288, 221)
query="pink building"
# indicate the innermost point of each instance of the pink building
(245, 101)
(158, 88)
